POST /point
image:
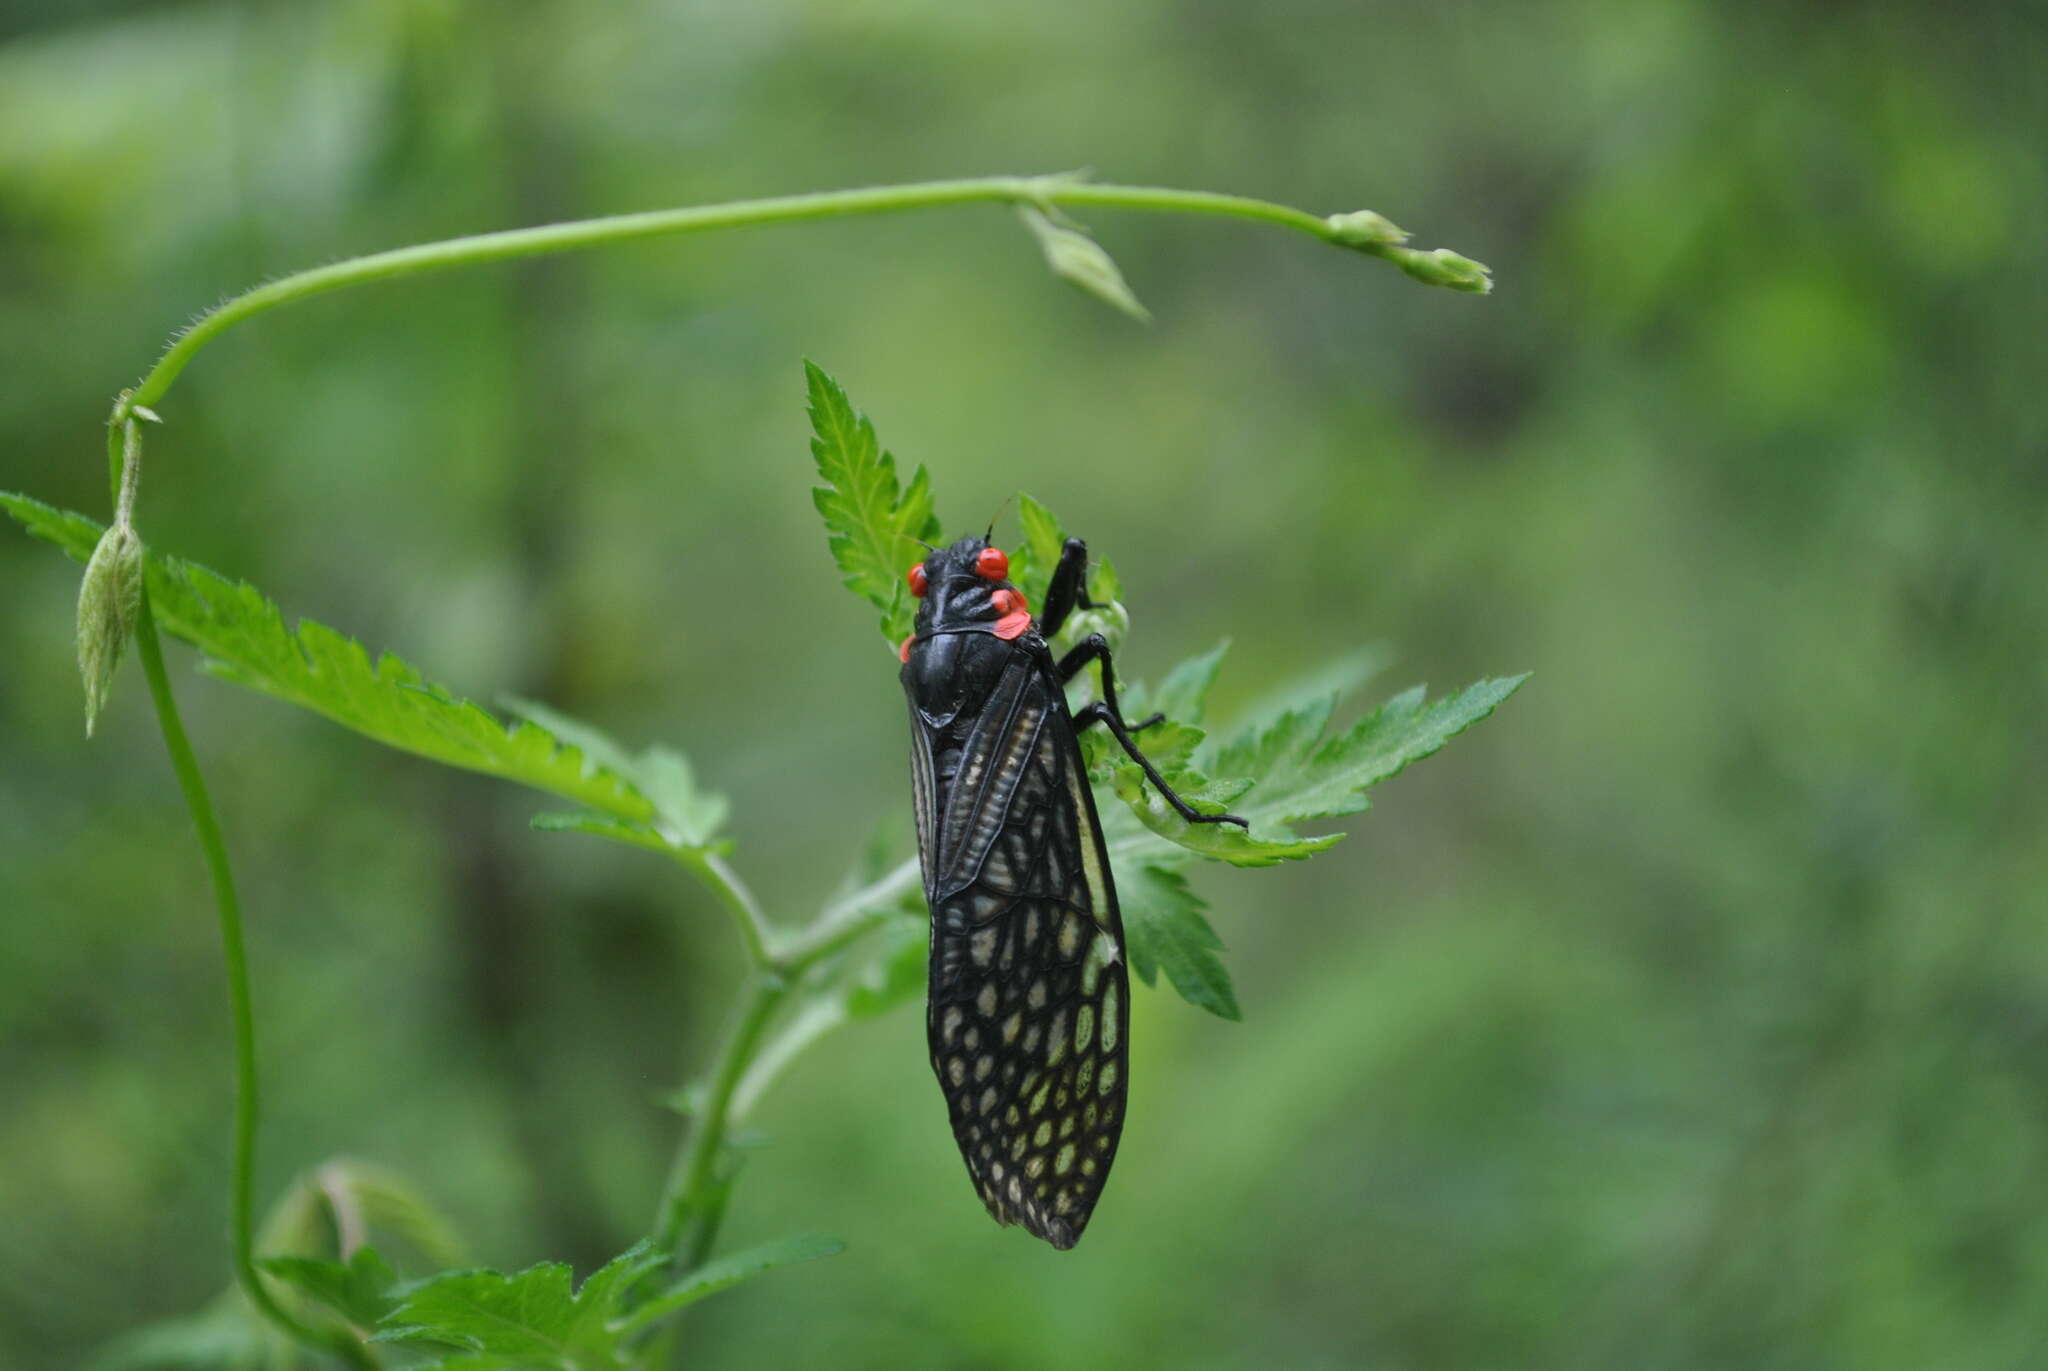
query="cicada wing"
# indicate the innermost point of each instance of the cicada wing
(1028, 1017)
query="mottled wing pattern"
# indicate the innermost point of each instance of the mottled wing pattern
(1029, 1008)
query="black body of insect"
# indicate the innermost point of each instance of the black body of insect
(1029, 1004)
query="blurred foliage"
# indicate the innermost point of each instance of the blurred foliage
(1690, 1017)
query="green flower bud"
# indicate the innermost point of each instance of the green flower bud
(1364, 227)
(108, 601)
(1442, 267)
(1077, 258)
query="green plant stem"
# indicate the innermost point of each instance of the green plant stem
(739, 901)
(693, 1177)
(234, 953)
(117, 454)
(849, 918)
(804, 1028)
(693, 1193)
(1041, 191)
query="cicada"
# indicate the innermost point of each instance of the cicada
(1028, 1013)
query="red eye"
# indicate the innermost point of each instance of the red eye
(918, 584)
(991, 564)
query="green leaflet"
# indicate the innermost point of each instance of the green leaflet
(1301, 776)
(535, 1316)
(1285, 770)
(1164, 925)
(872, 525)
(247, 641)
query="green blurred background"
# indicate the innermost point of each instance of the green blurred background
(1691, 1013)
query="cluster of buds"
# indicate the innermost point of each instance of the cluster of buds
(1375, 233)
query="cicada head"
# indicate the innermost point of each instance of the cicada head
(967, 587)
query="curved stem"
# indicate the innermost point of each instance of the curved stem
(738, 900)
(1042, 191)
(234, 953)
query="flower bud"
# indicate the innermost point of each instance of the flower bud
(1442, 267)
(1362, 227)
(108, 601)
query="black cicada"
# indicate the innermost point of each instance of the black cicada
(1029, 1008)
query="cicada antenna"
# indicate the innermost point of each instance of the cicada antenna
(989, 536)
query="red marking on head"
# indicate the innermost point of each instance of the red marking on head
(918, 584)
(991, 564)
(903, 653)
(1012, 625)
(1007, 601)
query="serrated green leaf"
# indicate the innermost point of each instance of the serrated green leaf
(727, 1272)
(1164, 924)
(1225, 842)
(1288, 772)
(246, 640)
(1262, 749)
(359, 1290)
(1300, 778)
(872, 524)
(535, 1315)
(599, 748)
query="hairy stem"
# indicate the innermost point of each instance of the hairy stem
(1041, 191)
(234, 953)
